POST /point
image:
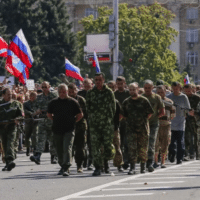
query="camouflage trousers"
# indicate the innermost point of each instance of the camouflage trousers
(18, 137)
(79, 146)
(31, 134)
(137, 145)
(8, 136)
(2, 151)
(191, 140)
(198, 143)
(102, 137)
(163, 140)
(118, 159)
(45, 133)
(152, 140)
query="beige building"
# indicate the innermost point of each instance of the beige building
(187, 22)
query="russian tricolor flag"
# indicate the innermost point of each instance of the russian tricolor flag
(72, 71)
(186, 80)
(3, 47)
(96, 63)
(20, 58)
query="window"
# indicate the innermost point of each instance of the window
(192, 58)
(192, 35)
(192, 13)
(90, 11)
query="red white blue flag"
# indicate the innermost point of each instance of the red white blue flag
(20, 58)
(96, 63)
(186, 80)
(3, 47)
(72, 71)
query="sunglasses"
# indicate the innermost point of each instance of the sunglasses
(44, 87)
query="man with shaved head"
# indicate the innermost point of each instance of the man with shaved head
(137, 110)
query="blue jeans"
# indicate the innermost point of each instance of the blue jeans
(177, 138)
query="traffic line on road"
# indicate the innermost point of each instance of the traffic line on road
(113, 195)
(156, 178)
(78, 194)
(142, 183)
(137, 188)
(172, 174)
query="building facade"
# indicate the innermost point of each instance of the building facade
(187, 22)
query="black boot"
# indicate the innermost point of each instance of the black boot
(97, 171)
(28, 151)
(142, 168)
(36, 158)
(6, 167)
(11, 165)
(150, 166)
(106, 167)
(53, 159)
(132, 169)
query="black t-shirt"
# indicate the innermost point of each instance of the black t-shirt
(64, 111)
(82, 93)
(121, 96)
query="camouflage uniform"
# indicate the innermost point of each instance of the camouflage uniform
(31, 126)
(20, 131)
(156, 103)
(136, 113)
(191, 128)
(101, 109)
(8, 132)
(118, 159)
(80, 134)
(164, 132)
(45, 126)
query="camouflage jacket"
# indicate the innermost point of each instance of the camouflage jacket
(10, 110)
(42, 102)
(101, 106)
(136, 112)
(82, 104)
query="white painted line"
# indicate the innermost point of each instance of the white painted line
(155, 178)
(139, 188)
(114, 195)
(172, 174)
(183, 170)
(148, 183)
(75, 195)
(185, 167)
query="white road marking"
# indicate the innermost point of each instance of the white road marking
(183, 170)
(155, 178)
(148, 183)
(113, 195)
(137, 188)
(172, 174)
(75, 195)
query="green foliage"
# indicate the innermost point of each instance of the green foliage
(144, 36)
(48, 32)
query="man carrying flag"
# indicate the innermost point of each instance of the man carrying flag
(3, 47)
(20, 58)
(96, 63)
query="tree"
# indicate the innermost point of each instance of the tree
(46, 28)
(144, 36)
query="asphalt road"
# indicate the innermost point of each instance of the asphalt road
(28, 181)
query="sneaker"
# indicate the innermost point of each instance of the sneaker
(163, 166)
(5, 168)
(65, 173)
(79, 170)
(150, 168)
(60, 172)
(179, 162)
(120, 169)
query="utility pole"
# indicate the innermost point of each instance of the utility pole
(116, 45)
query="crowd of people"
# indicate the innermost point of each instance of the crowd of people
(101, 122)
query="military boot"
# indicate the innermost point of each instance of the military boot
(150, 166)
(132, 169)
(142, 168)
(36, 158)
(97, 171)
(106, 167)
(28, 151)
(6, 167)
(53, 159)
(11, 165)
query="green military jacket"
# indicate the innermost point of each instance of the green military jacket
(42, 102)
(29, 109)
(101, 106)
(10, 110)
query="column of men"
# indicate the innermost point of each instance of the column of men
(125, 125)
